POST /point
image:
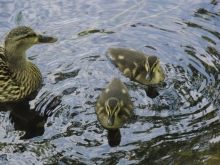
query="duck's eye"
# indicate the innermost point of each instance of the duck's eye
(31, 35)
(27, 36)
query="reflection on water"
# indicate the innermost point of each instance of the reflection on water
(114, 137)
(177, 122)
(30, 121)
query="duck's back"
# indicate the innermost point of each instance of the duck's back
(9, 91)
(2, 56)
(4, 70)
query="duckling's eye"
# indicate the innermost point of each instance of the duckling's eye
(116, 108)
(31, 35)
(108, 109)
(146, 65)
(154, 65)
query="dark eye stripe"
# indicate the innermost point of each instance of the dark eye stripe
(31, 35)
(154, 64)
(116, 108)
(27, 36)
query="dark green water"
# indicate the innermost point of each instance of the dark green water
(180, 126)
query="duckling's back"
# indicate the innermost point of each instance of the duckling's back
(128, 60)
(116, 89)
(128, 56)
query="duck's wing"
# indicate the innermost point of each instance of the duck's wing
(9, 90)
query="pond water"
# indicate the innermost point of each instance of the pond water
(179, 125)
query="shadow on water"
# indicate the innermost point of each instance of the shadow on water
(114, 137)
(31, 121)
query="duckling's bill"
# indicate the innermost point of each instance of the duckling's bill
(149, 75)
(45, 39)
(111, 119)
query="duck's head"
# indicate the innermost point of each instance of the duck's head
(152, 64)
(20, 39)
(112, 106)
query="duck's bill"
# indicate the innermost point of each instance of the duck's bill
(111, 119)
(149, 75)
(45, 39)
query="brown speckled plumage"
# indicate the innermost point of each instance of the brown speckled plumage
(18, 76)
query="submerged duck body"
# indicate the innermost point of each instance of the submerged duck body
(18, 76)
(114, 105)
(137, 66)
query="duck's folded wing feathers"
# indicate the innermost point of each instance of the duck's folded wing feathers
(9, 90)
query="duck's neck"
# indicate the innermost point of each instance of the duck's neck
(24, 72)
(16, 62)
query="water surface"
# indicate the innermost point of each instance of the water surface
(180, 125)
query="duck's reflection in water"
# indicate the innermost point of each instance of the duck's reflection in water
(166, 91)
(29, 120)
(114, 137)
(152, 92)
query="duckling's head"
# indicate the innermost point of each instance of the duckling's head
(20, 39)
(151, 65)
(112, 108)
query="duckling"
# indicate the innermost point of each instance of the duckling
(136, 65)
(18, 76)
(114, 105)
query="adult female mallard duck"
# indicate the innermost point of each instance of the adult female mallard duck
(114, 105)
(18, 76)
(137, 66)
